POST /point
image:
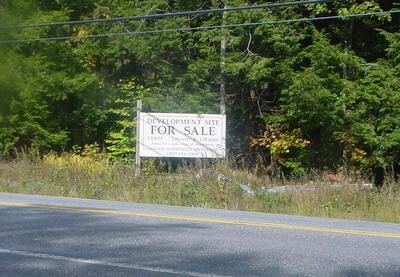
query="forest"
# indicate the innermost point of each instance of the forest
(307, 85)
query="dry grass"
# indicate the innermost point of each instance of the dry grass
(213, 186)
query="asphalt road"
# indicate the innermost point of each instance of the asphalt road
(55, 236)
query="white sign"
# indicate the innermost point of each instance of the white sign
(182, 135)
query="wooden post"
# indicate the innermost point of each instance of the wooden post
(137, 159)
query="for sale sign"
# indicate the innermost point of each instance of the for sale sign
(181, 135)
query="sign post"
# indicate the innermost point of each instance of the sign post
(137, 159)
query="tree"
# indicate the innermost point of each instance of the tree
(121, 136)
(374, 122)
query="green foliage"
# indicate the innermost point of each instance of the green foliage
(336, 81)
(121, 137)
(393, 50)
(374, 119)
(311, 107)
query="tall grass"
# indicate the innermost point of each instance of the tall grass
(91, 175)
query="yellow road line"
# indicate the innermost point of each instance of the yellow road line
(208, 220)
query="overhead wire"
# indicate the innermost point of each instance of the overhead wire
(176, 14)
(200, 28)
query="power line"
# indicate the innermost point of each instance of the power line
(201, 28)
(159, 16)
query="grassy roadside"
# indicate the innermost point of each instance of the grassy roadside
(216, 186)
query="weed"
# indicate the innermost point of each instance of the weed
(88, 173)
